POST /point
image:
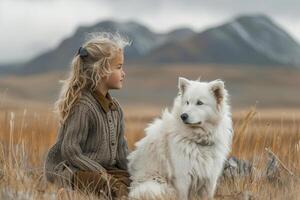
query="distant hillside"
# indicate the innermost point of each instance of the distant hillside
(246, 40)
(276, 88)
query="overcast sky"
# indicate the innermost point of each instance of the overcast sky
(30, 27)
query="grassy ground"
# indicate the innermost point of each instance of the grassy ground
(26, 134)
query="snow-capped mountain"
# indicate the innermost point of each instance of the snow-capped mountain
(244, 40)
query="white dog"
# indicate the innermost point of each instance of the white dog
(183, 152)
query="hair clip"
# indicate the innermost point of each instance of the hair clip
(82, 52)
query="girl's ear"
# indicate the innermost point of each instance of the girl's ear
(183, 83)
(217, 88)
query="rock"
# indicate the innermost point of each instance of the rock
(234, 168)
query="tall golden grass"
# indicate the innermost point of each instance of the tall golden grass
(26, 135)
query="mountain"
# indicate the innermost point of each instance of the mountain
(245, 40)
(9, 68)
(143, 41)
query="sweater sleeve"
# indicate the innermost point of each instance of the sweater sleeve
(122, 151)
(76, 131)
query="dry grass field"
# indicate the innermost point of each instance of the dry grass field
(28, 127)
(26, 134)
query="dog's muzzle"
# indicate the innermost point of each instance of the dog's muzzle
(184, 117)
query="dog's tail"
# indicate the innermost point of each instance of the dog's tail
(151, 189)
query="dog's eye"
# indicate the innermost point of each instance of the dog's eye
(199, 103)
(187, 102)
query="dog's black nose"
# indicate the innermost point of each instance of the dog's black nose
(184, 116)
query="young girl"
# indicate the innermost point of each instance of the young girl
(90, 151)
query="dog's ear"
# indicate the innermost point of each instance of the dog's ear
(182, 84)
(217, 88)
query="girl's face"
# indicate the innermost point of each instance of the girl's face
(115, 80)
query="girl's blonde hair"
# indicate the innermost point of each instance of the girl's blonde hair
(87, 71)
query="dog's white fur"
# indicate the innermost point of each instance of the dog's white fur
(185, 157)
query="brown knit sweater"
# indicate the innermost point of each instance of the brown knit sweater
(91, 138)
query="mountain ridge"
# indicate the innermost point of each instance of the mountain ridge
(244, 40)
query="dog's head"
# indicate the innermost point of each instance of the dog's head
(200, 103)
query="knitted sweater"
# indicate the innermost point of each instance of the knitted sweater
(91, 138)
